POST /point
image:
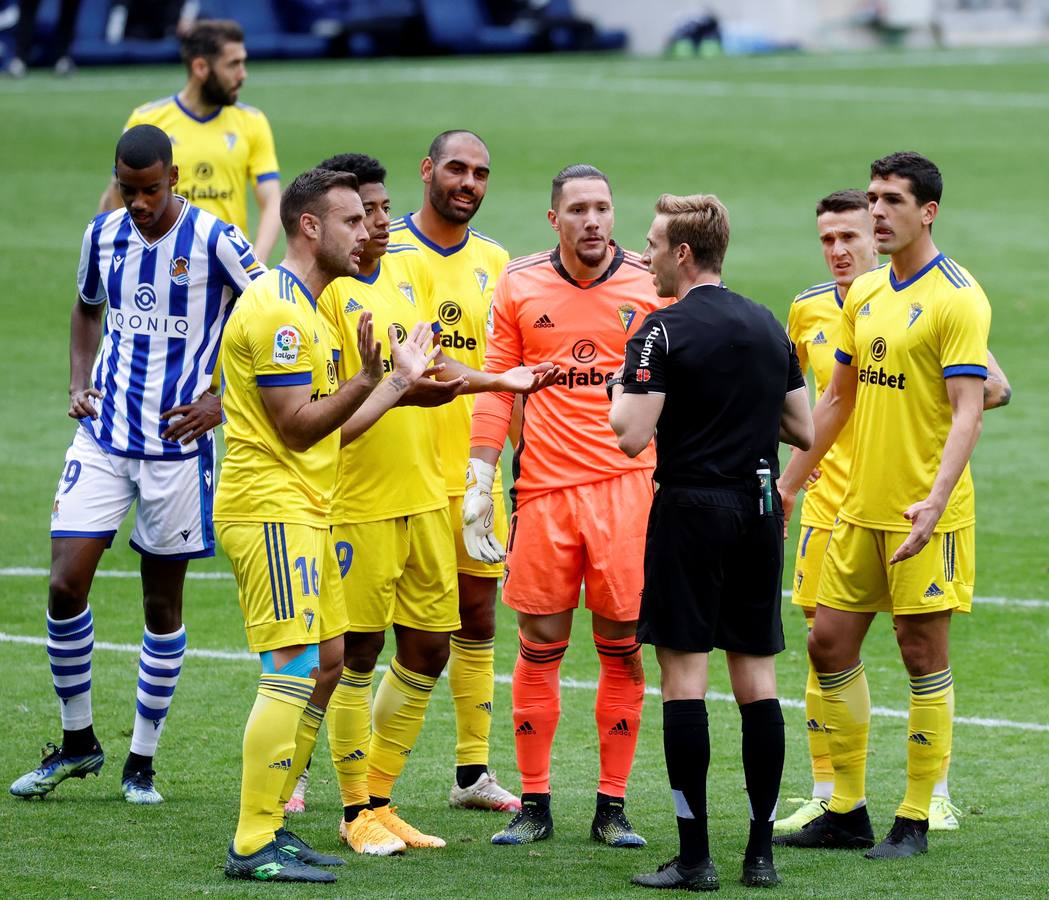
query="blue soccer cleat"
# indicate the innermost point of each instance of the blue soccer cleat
(137, 787)
(612, 827)
(533, 823)
(56, 767)
(271, 863)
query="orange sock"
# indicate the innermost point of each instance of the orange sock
(620, 695)
(537, 707)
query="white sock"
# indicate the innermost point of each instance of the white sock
(159, 666)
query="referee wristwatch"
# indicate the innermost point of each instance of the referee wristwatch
(611, 383)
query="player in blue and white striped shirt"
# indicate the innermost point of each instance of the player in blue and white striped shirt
(156, 283)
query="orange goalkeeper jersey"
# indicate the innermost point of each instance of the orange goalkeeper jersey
(540, 313)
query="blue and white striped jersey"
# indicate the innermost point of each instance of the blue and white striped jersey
(168, 302)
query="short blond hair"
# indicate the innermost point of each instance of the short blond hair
(701, 221)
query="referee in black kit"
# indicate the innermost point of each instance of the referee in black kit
(715, 377)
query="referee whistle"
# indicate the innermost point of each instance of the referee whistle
(764, 474)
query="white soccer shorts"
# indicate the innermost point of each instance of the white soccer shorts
(173, 515)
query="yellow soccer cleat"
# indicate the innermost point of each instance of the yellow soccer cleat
(943, 815)
(807, 812)
(388, 818)
(367, 836)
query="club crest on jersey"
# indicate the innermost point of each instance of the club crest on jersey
(626, 316)
(54, 511)
(865, 310)
(179, 271)
(308, 615)
(286, 343)
(482, 279)
(231, 140)
(352, 306)
(916, 310)
(409, 292)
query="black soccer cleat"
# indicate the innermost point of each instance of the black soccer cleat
(56, 766)
(270, 863)
(832, 831)
(295, 846)
(674, 876)
(533, 823)
(759, 872)
(907, 837)
(612, 827)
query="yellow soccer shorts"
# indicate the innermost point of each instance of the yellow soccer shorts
(808, 563)
(857, 576)
(288, 580)
(465, 563)
(399, 571)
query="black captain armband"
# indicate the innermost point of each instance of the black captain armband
(611, 383)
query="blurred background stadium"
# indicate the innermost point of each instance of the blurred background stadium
(770, 105)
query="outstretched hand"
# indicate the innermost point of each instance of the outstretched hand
(529, 379)
(412, 357)
(369, 350)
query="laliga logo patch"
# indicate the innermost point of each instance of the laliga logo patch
(286, 344)
(642, 375)
(308, 615)
(145, 297)
(179, 271)
(409, 293)
(626, 316)
(482, 279)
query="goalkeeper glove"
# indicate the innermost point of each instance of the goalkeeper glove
(479, 513)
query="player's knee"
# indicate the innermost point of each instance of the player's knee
(920, 656)
(822, 650)
(163, 614)
(66, 595)
(423, 651)
(362, 650)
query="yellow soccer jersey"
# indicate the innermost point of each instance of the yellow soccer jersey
(218, 157)
(813, 323)
(275, 336)
(907, 338)
(394, 468)
(464, 279)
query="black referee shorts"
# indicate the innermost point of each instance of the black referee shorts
(713, 570)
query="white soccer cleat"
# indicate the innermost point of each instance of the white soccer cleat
(485, 793)
(807, 812)
(943, 815)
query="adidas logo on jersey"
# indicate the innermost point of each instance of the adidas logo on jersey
(525, 729)
(281, 764)
(620, 728)
(820, 338)
(352, 306)
(865, 310)
(351, 757)
(918, 738)
(934, 590)
(544, 321)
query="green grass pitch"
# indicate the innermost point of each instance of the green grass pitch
(769, 136)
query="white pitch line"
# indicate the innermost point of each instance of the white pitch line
(28, 572)
(570, 683)
(511, 76)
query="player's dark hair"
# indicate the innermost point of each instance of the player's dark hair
(701, 221)
(308, 193)
(842, 201)
(143, 145)
(924, 178)
(437, 144)
(367, 168)
(207, 37)
(570, 173)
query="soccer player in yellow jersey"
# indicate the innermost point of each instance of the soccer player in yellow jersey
(394, 537)
(846, 234)
(284, 409)
(220, 146)
(911, 361)
(465, 265)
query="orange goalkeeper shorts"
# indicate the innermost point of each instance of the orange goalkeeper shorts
(592, 534)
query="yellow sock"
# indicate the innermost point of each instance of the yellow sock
(819, 747)
(350, 734)
(847, 714)
(269, 751)
(305, 741)
(928, 738)
(471, 675)
(397, 719)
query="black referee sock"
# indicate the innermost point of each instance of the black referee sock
(686, 745)
(763, 751)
